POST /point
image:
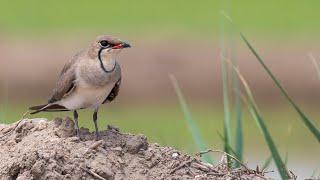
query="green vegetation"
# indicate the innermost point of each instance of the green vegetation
(227, 47)
(276, 18)
(307, 121)
(192, 126)
(226, 99)
(253, 109)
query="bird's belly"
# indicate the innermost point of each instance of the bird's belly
(86, 97)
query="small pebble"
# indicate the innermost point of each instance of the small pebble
(116, 148)
(175, 155)
(42, 125)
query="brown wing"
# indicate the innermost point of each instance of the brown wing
(114, 92)
(65, 83)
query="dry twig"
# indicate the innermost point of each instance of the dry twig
(24, 115)
(92, 173)
(219, 151)
(11, 130)
(181, 166)
(94, 146)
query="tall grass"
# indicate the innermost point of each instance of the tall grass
(234, 85)
(306, 120)
(239, 143)
(255, 113)
(253, 109)
(226, 105)
(190, 121)
(227, 47)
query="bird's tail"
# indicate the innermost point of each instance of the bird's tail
(47, 108)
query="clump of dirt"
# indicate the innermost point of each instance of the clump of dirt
(42, 149)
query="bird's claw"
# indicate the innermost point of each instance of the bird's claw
(97, 136)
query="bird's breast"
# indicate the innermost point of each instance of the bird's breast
(86, 97)
(92, 74)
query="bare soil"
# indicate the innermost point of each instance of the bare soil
(42, 149)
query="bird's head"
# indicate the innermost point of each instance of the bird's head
(106, 46)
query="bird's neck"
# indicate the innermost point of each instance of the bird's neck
(107, 60)
(109, 63)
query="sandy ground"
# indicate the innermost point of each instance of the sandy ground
(42, 149)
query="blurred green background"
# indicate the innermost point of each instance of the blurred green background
(180, 37)
(274, 18)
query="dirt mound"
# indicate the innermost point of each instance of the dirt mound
(42, 149)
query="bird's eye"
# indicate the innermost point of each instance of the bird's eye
(104, 43)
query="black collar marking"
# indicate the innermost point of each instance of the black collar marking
(101, 63)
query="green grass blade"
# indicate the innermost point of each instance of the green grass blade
(226, 106)
(253, 109)
(230, 148)
(286, 158)
(235, 83)
(266, 164)
(316, 64)
(263, 128)
(227, 116)
(307, 121)
(239, 129)
(239, 138)
(237, 99)
(288, 135)
(190, 122)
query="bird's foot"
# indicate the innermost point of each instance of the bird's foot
(97, 136)
(78, 133)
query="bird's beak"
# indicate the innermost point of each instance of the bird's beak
(125, 45)
(122, 45)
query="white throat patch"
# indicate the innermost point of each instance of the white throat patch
(110, 62)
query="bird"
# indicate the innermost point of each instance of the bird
(91, 78)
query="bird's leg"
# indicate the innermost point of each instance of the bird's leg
(75, 117)
(95, 117)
